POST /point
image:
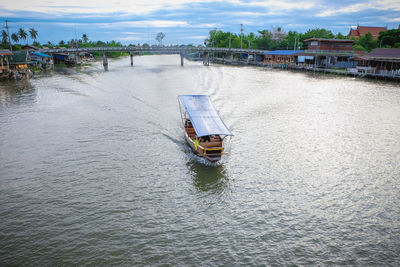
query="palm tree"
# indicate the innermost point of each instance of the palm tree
(33, 33)
(4, 37)
(22, 34)
(15, 37)
(85, 38)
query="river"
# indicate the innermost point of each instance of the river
(94, 169)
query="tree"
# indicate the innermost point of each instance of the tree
(340, 36)
(367, 42)
(85, 38)
(33, 34)
(390, 37)
(61, 43)
(160, 36)
(36, 43)
(317, 33)
(15, 37)
(4, 37)
(22, 34)
(358, 48)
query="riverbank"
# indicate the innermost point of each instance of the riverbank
(301, 68)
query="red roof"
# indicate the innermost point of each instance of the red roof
(362, 30)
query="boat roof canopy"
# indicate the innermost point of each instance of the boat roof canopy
(203, 115)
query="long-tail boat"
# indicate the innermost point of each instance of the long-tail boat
(204, 130)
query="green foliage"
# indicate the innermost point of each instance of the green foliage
(33, 33)
(317, 33)
(22, 34)
(340, 36)
(390, 37)
(267, 40)
(358, 47)
(4, 37)
(85, 38)
(367, 42)
(14, 37)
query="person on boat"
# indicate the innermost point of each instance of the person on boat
(206, 138)
(196, 143)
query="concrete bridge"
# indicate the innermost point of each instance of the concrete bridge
(182, 51)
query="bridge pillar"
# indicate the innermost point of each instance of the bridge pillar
(131, 55)
(181, 59)
(105, 61)
(206, 59)
(77, 58)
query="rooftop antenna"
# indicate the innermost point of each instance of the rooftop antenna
(241, 36)
(8, 34)
(76, 37)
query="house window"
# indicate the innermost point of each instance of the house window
(314, 43)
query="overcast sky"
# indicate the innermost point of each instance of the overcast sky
(185, 22)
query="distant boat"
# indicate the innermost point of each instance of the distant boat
(204, 130)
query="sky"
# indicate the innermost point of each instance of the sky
(188, 22)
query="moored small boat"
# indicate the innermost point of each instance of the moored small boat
(204, 130)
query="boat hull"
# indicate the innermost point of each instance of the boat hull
(200, 153)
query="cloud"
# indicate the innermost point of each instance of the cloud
(282, 5)
(132, 24)
(196, 37)
(97, 6)
(393, 5)
(128, 38)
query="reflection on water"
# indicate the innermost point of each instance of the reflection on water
(208, 178)
(16, 92)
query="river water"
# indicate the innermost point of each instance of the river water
(94, 169)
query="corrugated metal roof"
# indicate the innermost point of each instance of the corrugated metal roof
(385, 53)
(330, 40)
(203, 115)
(41, 54)
(283, 52)
(5, 52)
(20, 57)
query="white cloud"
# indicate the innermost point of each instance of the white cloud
(394, 20)
(282, 4)
(96, 6)
(197, 37)
(128, 38)
(133, 24)
(393, 5)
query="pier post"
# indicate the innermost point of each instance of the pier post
(206, 59)
(105, 61)
(131, 55)
(181, 59)
(230, 57)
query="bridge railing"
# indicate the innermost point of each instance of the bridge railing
(176, 50)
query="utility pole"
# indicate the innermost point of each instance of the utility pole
(230, 39)
(241, 36)
(8, 34)
(295, 39)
